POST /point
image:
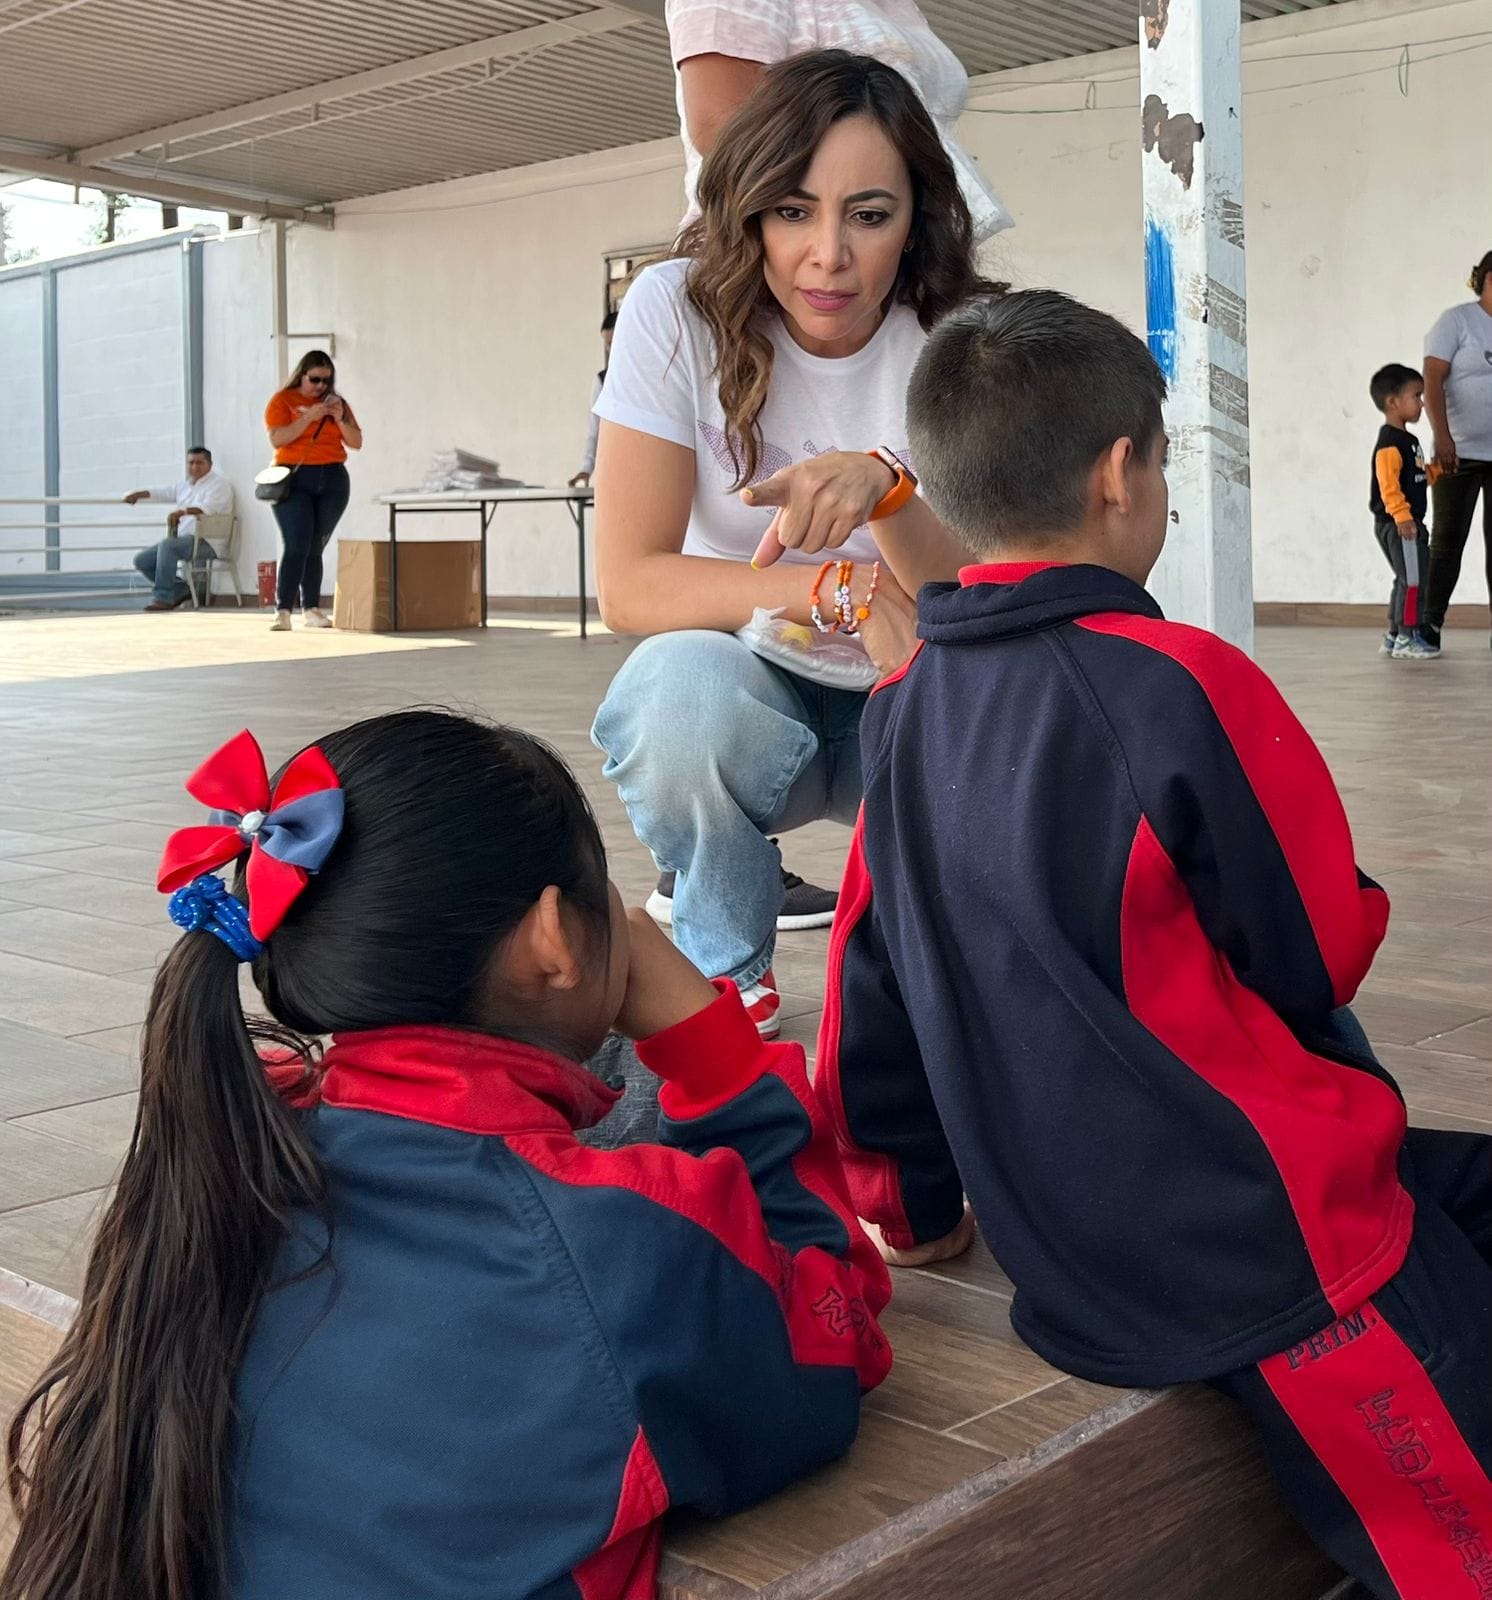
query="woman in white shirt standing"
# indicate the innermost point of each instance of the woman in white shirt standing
(757, 385)
(1458, 396)
(720, 47)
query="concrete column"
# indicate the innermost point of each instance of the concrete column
(51, 425)
(1191, 95)
(281, 282)
(191, 343)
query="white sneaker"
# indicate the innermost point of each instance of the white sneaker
(1411, 647)
(315, 618)
(762, 1004)
(281, 624)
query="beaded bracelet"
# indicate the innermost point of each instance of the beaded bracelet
(848, 616)
(843, 603)
(813, 602)
(862, 611)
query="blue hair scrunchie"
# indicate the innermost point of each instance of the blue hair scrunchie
(206, 903)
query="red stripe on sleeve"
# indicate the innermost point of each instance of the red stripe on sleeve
(1363, 1403)
(1291, 782)
(709, 1058)
(1332, 1132)
(626, 1566)
(873, 1178)
(713, 1056)
(828, 1304)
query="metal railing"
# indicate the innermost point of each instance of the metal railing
(53, 528)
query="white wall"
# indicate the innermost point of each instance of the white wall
(1364, 211)
(460, 319)
(120, 387)
(22, 459)
(238, 376)
(466, 313)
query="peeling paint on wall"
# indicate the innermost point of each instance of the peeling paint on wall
(1155, 14)
(1176, 137)
(1160, 299)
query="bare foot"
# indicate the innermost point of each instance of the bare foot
(924, 1255)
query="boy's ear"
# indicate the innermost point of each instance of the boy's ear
(1113, 474)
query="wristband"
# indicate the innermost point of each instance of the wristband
(900, 492)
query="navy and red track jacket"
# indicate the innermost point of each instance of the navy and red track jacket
(1100, 903)
(525, 1350)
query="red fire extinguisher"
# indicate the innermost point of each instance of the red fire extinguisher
(269, 572)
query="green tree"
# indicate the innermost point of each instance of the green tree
(107, 210)
(11, 253)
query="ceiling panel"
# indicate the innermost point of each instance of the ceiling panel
(81, 73)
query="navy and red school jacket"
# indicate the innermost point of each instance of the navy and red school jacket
(1100, 902)
(525, 1350)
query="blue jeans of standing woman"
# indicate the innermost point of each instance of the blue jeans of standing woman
(713, 750)
(308, 517)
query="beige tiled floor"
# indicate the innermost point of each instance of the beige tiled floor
(102, 717)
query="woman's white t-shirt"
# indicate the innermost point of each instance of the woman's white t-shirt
(892, 31)
(661, 381)
(1462, 337)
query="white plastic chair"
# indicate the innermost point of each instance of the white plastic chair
(216, 546)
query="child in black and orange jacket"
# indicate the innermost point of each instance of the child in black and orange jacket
(1397, 499)
(1100, 919)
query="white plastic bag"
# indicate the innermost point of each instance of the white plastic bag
(836, 659)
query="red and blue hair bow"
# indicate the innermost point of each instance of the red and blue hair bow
(288, 833)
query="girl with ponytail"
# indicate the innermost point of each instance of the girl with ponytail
(370, 1322)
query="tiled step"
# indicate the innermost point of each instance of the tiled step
(1066, 1491)
(983, 1474)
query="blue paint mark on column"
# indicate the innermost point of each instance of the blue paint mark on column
(1160, 298)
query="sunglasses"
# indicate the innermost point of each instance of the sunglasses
(322, 382)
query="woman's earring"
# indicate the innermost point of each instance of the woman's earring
(906, 249)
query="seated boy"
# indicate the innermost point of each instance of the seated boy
(1100, 909)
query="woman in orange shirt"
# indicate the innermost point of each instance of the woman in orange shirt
(311, 427)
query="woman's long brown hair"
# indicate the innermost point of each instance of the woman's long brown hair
(115, 1460)
(758, 158)
(310, 360)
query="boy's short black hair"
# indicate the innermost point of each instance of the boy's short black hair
(1013, 401)
(1389, 380)
(200, 450)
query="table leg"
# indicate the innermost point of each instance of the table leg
(578, 508)
(485, 510)
(393, 569)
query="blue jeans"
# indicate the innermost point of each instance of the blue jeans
(308, 517)
(712, 749)
(158, 564)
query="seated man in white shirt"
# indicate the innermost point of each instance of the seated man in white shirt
(202, 493)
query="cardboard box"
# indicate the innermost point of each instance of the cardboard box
(439, 585)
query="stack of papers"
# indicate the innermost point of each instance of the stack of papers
(463, 469)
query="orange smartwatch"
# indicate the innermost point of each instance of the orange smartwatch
(900, 492)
